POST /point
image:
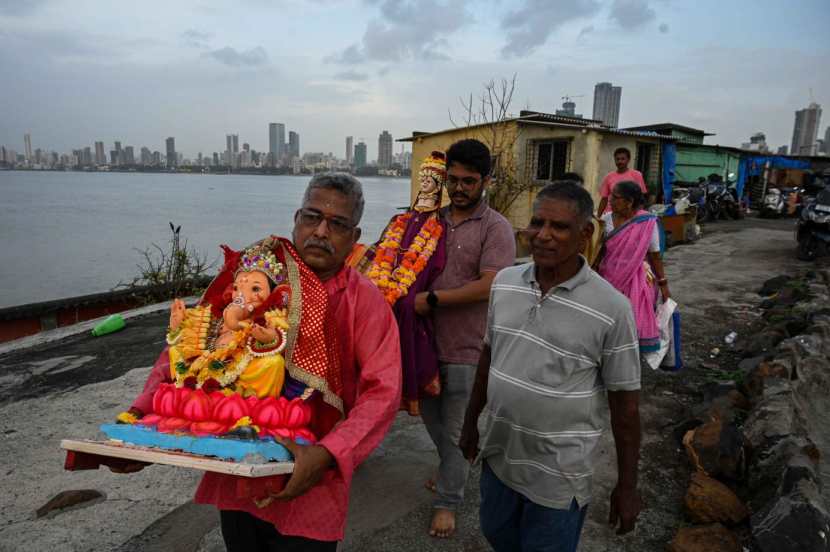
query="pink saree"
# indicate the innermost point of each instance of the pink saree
(622, 266)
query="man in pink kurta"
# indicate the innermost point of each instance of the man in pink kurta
(622, 157)
(310, 513)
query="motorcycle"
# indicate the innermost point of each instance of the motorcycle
(813, 227)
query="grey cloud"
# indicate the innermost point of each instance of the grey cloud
(585, 32)
(350, 56)
(351, 76)
(630, 14)
(664, 28)
(406, 30)
(195, 38)
(234, 58)
(529, 26)
(19, 8)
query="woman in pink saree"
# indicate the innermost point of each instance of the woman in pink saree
(631, 259)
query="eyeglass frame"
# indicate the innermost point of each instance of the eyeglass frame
(337, 225)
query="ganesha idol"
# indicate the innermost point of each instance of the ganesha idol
(253, 361)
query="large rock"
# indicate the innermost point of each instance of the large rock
(716, 448)
(796, 522)
(758, 378)
(708, 538)
(775, 417)
(708, 500)
(764, 342)
(778, 467)
(66, 500)
(774, 285)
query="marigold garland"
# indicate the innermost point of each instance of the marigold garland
(392, 278)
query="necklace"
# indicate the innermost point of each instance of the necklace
(394, 274)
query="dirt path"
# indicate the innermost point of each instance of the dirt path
(65, 389)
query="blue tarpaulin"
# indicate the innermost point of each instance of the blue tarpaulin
(753, 165)
(669, 162)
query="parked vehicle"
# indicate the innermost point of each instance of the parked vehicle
(722, 199)
(775, 203)
(813, 228)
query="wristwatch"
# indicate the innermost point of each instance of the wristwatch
(432, 299)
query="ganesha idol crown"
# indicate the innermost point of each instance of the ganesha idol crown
(262, 260)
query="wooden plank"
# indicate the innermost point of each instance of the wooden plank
(180, 459)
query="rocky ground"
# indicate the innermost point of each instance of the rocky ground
(64, 389)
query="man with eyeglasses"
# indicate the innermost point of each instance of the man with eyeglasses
(558, 338)
(479, 243)
(309, 513)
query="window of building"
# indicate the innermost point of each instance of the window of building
(643, 161)
(551, 159)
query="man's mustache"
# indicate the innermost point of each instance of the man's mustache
(459, 194)
(322, 244)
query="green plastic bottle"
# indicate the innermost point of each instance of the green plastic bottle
(111, 324)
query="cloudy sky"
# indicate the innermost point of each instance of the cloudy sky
(78, 71)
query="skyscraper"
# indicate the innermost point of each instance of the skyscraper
(129, 156)
(27, 142)
(293, 144)
(827, 140)
(172, 158)
(805, 130)
(385, 150)
(276, 143)
(349, 149)
(146, 156)
(100, 154)
(360, 155)
(607, 103)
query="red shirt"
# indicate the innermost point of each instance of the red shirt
(370, 361)
(612, 178)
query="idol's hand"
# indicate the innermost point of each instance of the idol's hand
(176, 314)
(310, 463)
(264, 335)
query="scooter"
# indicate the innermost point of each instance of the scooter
(775, 203)
(813, 228)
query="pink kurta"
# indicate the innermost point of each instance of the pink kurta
(370, 361)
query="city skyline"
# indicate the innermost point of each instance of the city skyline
(355, 67)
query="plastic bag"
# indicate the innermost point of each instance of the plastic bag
(668, 356)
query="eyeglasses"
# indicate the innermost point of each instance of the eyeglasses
(467, 182)
(312, 219)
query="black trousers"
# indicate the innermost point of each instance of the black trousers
(245, 533)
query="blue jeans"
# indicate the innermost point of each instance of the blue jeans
(513, 523)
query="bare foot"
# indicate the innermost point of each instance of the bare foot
(430, 485)
(443, 523)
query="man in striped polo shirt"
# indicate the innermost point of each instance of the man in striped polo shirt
(558, 337)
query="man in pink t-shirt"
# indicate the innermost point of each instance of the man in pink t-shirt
(622, 156)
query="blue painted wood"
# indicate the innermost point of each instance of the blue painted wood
(226, 448)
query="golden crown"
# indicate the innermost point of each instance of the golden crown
(262, 260)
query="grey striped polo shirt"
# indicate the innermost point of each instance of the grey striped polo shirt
(553, 358)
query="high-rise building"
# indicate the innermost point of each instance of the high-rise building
(568, 109)
(827, 141)
(86, 157)
(276, 143)
(349, 149)
(293, 144)
(119, 154)
(100, 154)
(360, 155)
(172, 158)
(129, 156)
(385, 150)
(232, 150)
(757, 142)
(27, 143)
(805, 130)
(607, 103)
(146, 156)
(782, 150)
(215, 159)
